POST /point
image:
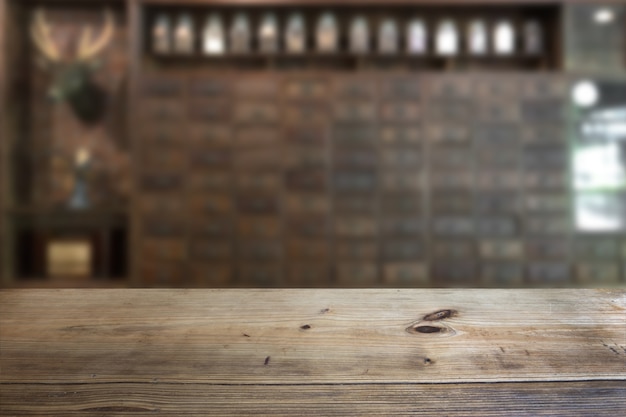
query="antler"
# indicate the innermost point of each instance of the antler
(40, 34)
(87, 49)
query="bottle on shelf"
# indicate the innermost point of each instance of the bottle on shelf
(268, 34)
(359, 35)
(477, 38)
(240, 34)
(213, 36)
(184, 37)
(504, 38)
(417, 37)
(388, 37)
(295, 34)
(533, 38)
(447, 41)
(327, 35)
(162, 35)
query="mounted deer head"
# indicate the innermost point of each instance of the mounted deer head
(72, 79)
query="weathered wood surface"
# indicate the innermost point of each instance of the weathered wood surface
(315, 352)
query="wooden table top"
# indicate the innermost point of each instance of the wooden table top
(313, 352)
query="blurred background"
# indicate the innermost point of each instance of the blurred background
(312, 144)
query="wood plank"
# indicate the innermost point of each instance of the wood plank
(312, 336)
(506, 399)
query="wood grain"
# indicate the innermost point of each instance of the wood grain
(322, 352)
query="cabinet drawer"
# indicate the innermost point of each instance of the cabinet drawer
(169, 250)
(401, 87)
(495, 203)
(260, 275)
(546, 158)
(316, 136)
(355, 135)
(356, 158)
(400, 135)
(597, 274)
(259, 181)
(164, 182)
(451, 158)
(501, 249)
(160, 227)
(261, 113)
(453, 226)
(456, 249)
(402, 226)
(364, 204)
(256, 87)
(260, 158)
(399, 112)
(355, 227)
(307, 203)
(548, 225)
(354, 88)
(357, 274)
(548, 203)
(202, 204)
(212, 275)
(209, 111)
(209, 88)
(162, 273)
(211, 250)
(306, 114)
(496, 134)
(553, 180)
(502, 274)
(402, 181)
(601, 249)
(543, 111)
(447, 134)
(498, 180)
(357, 181)
(205, 135)
(307, 179)
(258, 204)
(161, 87)
(307, 249)
(257, 137)
(163, 112)
(401, 158)
(458, 181)
(261, 250)
(211, 158)
(306, 89)
(354, 112)
(301, 157)
(454, 273)
(450, 203)
(310, 226)
(308, 275)
(157, 160)
(400, 203)
(401, 274)
(213, 227)
(549, 273)
(169, 204)
(556, 249)
(259, 227)
(403, 250)
(210, 181)
(498, 226)
(156, 135)
(357, 251)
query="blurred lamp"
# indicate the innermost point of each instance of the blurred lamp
(585, 94)
(604, 16)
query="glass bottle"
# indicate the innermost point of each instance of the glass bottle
(213, 36)
(447, 42)
(184, 35)
(417, 37)
(504, 38)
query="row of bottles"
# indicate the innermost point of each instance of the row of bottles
(503, 38)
